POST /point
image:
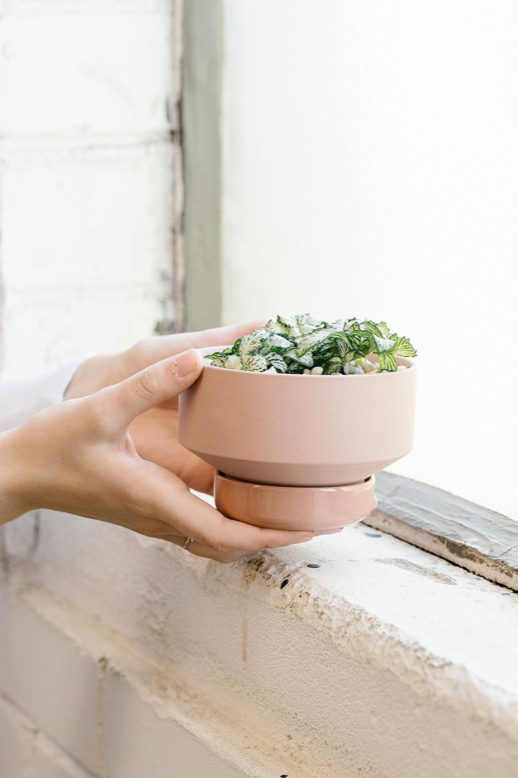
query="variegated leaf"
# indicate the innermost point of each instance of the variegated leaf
(277, 341)
(250, 343)
(387, 361)
(254, 364)
(287, 321)
(234, 363)
(404, 348)
(372, 327)
(333, 366)
(383, 344)
(385, 330)
(276, 361)
(306, 360)
(218, 360)
(274, 327)
(310, 341)
(342, 343)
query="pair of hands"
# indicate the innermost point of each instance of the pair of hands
(111, 452)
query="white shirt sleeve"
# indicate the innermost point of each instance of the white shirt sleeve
(19, 400)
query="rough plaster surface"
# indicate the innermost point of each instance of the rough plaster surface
(384, 659)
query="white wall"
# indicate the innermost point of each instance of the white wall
(371, 169)
(87, 177)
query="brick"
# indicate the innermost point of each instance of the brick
(52, 683)
(26, 752)
(140, 743)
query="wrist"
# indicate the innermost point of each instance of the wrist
(14, 498)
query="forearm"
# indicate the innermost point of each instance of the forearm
(13, 493)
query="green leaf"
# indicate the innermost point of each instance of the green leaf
(388, 361)
(403, 347)
(333, 366)
(274, 360)
(373, 327)
(342, 343)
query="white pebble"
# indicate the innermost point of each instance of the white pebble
(317, 371)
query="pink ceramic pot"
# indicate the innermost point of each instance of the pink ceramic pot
(299, 431)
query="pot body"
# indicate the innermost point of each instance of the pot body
(298, 430)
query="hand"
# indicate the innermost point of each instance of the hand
(155, 433)
(79, 457)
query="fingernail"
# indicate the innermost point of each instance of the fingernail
(329, 531)
(186, 363)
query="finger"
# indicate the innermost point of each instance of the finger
(200, 550)
(223, 336)
(156, 349)
(197, 519)
(203, 551)
(121, 403)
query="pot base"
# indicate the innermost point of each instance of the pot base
(294, 507)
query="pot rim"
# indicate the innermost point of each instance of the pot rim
(407, 362)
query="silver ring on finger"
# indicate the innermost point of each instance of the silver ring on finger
(187, 541)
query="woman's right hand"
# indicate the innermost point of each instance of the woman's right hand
(78, 457)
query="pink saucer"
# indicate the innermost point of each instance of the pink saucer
(294, 507)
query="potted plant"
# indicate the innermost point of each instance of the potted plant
(299, 416)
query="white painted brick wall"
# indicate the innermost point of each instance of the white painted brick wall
(88, 184)
(90, 705)
(25, 752)
(54, 685)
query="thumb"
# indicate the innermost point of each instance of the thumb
(152, 386)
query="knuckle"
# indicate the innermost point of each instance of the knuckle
(149, 383)
(138, 351)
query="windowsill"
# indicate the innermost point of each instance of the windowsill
(381, 634)
(469, 535)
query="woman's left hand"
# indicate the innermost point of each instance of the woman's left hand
(155, 433)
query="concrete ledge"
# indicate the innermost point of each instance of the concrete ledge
(378, 658)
